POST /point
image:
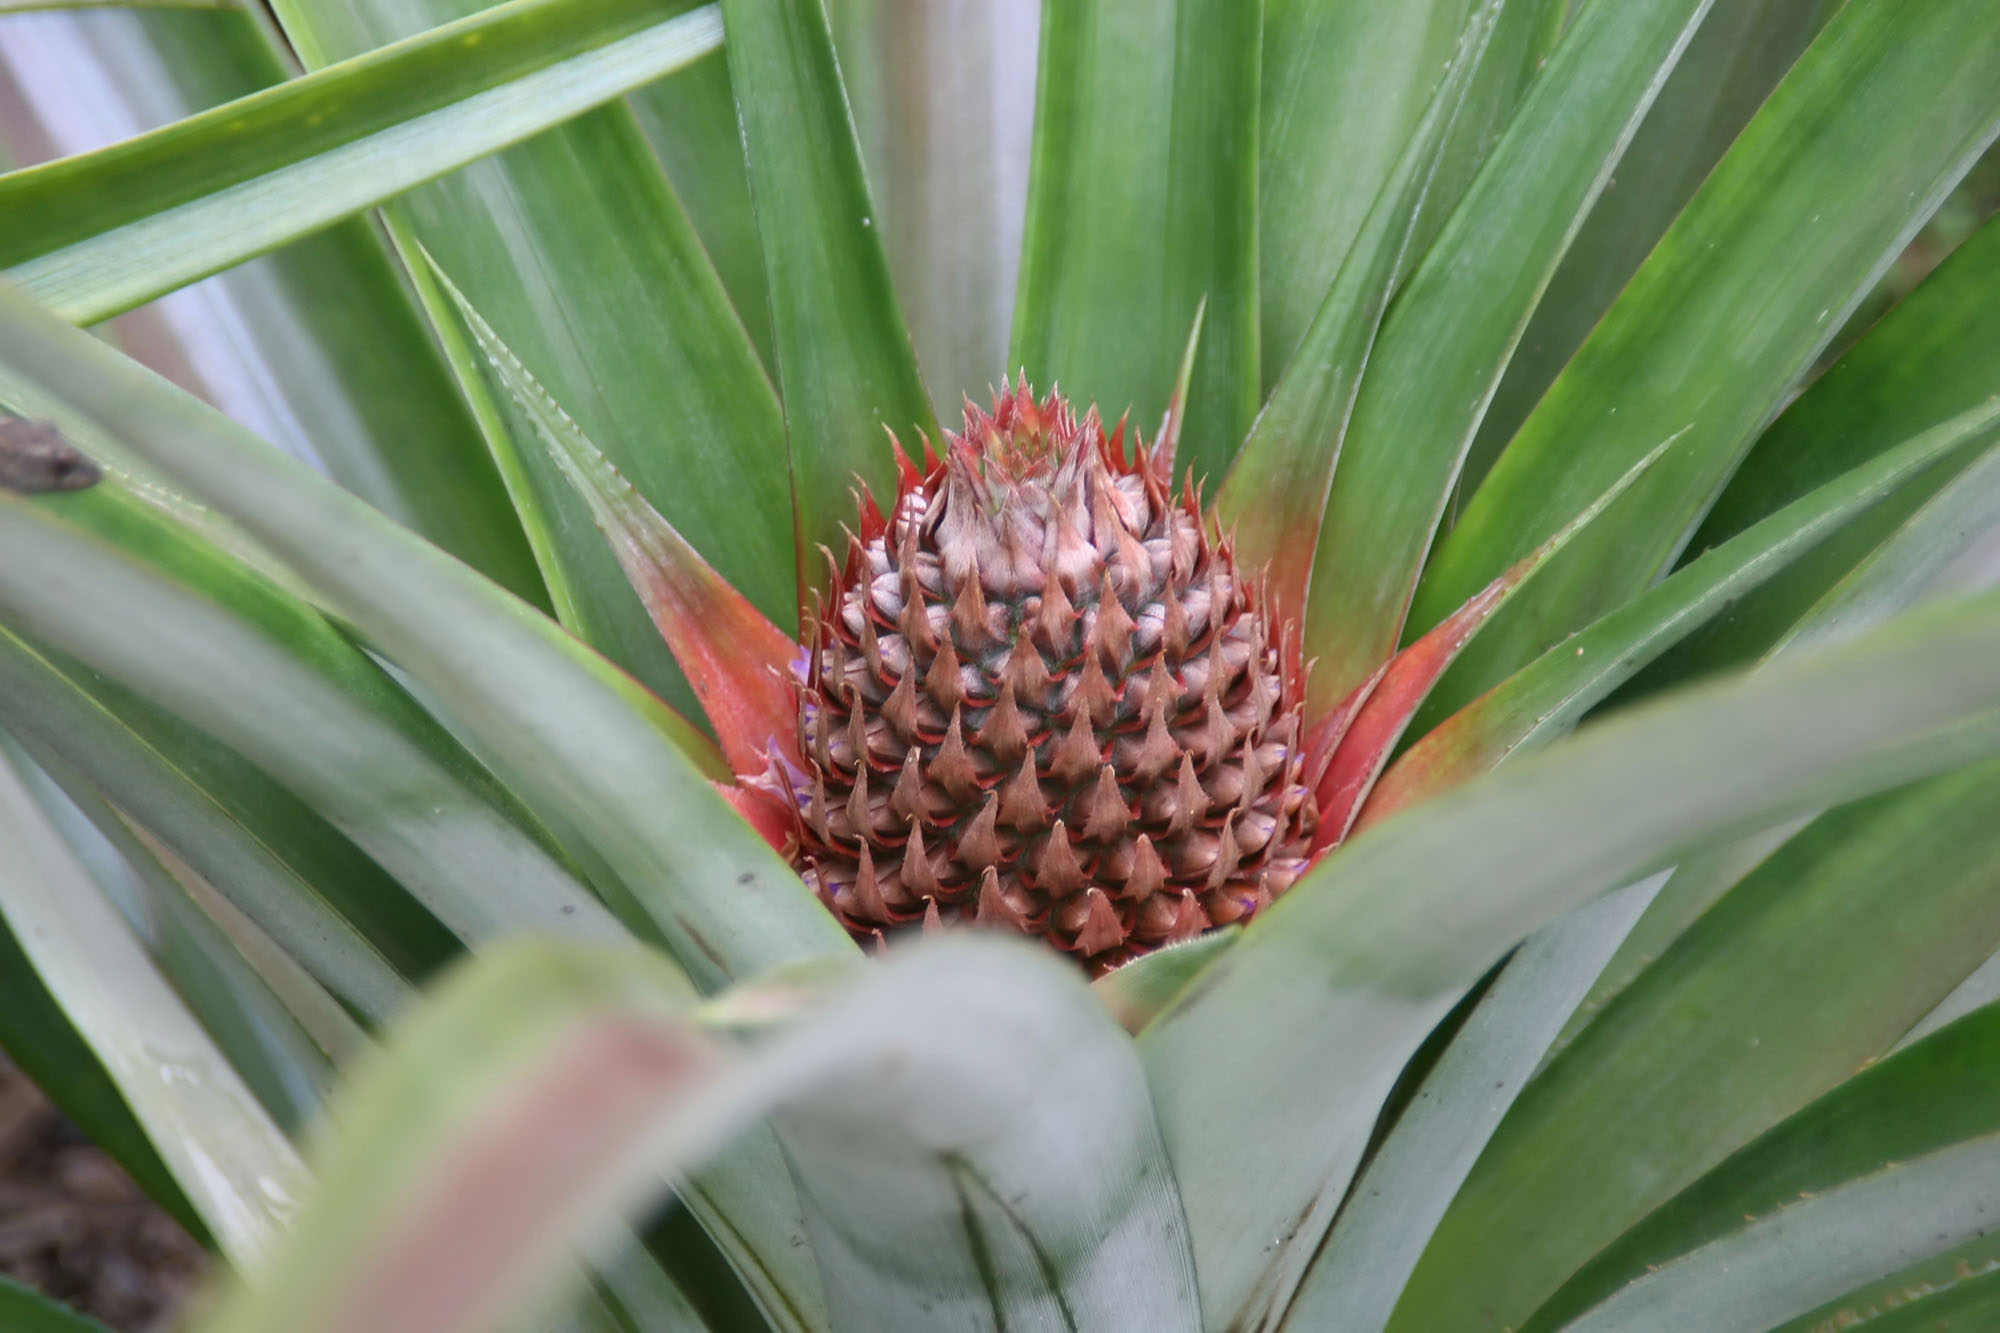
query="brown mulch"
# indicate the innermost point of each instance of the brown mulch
(74, 1226)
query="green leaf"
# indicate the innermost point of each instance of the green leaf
(1726, 314)
(267, 1047)
(28, 1311)
(1091, 311)
(1211, 221)
(40, 1039)
(575, 248)
(1914, 1104)
(690, 119)
(1929, 357)
(737, 662)
(573, 733)
(1137, 991)
(1352, 967)
(1546, 698)
(1803, 972)
(1934, 355)
(1957, 1289)
(1411, 1177)
(331, 908)
(1456, 321)
(1329, 147)
(1901, 570)
(904, 1097)
(1142, 205)
(174, 621)
(1977, 991)
(1282, 473)
(318, 346)
(231, 1161)
(1915, 562)
(1788, 1262)
(844, 359)
(120, 226)
(1738, 55)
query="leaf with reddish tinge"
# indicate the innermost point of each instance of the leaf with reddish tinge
(737, 661)
(1285, 468)
(1543, 699)
(1401, 688)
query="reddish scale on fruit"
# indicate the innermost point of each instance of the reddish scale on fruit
(1042, 696)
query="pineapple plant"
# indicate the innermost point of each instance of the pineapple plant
(1422, 759)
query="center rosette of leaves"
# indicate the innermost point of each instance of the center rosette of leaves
(1042, 695)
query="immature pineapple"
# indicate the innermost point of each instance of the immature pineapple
(1044, 696)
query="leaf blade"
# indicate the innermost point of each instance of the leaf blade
(573, 732)
(1774, 230)
(1456, 322)
(1555, 828)
(225, 1153)
(115, 227)
(1550, 695)
(845, 364)
(663, 1092)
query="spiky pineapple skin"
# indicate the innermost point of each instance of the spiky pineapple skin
(1042, 697)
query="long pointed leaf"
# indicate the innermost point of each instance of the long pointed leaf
(1456, 322)
(115, 228)
(268, 677)
(1370, 731)
(1802, 973)
(1789, 1262)
(280, 1063)
(318, 348)
(1935, 355)
(844, 359)
(1091, 310)
(1737, 57)
(1211, 220)
(44, 1043)
(1353, 966)
(1286, 465)
(942, 96)
(234, 1165)
(1410, 1180)
(1958, 1288)
(574, 246)
(299, 888)
(577, 734)
(1919, 1102)
(1546, 698)
(1329, 147)
(737, 661)
(1906, 100)
(690, 119)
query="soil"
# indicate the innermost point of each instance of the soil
(75, 1227)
